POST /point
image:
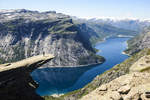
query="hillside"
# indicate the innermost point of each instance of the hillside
(106, 77)
(24, 33)
(139, 42)
(132, 86)
(128, 24)
(127, 87)
(105, 30)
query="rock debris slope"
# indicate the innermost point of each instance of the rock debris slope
(127, 87)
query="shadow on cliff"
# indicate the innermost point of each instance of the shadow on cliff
(17, 84)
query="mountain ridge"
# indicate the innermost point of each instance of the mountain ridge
(25, 33)
(115, 72)
(139, 42)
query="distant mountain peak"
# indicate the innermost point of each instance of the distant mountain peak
(11, 14)
(15, 11)
(114, 19)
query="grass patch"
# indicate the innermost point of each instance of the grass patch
(116, 71)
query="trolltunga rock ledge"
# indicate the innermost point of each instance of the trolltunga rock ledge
(15, 80)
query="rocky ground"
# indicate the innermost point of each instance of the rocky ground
(127, 87)
(142, 65)
(132, 86)
(117, 71)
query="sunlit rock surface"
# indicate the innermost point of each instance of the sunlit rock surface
(127, 87)
(15, 80)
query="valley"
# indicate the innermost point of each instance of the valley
(53, 56)
(66, 79)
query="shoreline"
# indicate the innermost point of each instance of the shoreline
(118, 36)
(56, 95)
(105, 38)
(125, 53)
(84, 66)
(126, 48)
(93, 64)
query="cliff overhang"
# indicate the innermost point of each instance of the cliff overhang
(16, 82)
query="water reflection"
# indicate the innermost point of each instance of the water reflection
(62, 80)
(57, 80)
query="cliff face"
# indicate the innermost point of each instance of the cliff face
(139, 42)
(26, 33)
(16, 82)
(105, 29)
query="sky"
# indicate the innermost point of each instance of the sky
(117, 9)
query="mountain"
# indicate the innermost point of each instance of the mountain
(105, 29)
(129, 24)
(139, 42)
(131, 86)
(117, 73)
(24, 33)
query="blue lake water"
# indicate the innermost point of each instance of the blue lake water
(63, 80)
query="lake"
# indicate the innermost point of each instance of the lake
(65, 79)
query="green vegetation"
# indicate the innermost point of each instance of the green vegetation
(104, 30)
(19, 53)
(100, 31)
(146, 70)
(2, 61)
(51, 98)
(138, 42)
(133, 44)
(63, 28)
(116, 71)
(96, 50)
(91, 58)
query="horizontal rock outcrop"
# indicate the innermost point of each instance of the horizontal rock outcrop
(15, 80)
